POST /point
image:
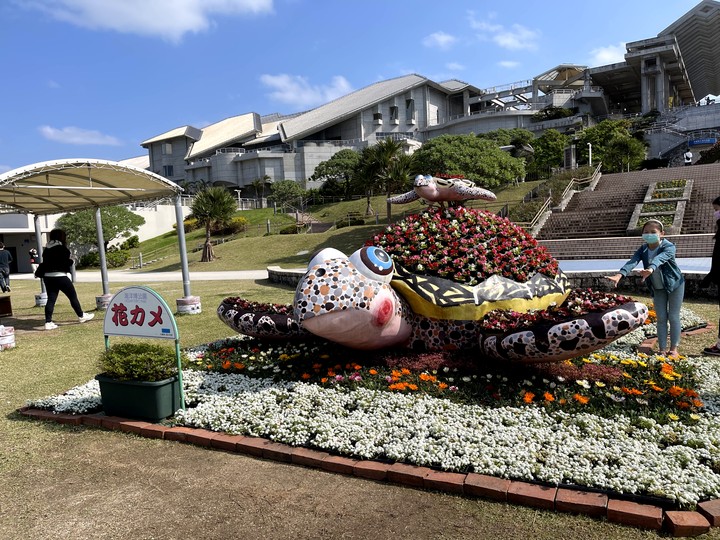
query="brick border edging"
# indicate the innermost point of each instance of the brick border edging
(559, 499)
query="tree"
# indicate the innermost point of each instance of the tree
(477, 159)
(259, 185)
(117, 222)
(549, 148)
(213, 208)
(339, 168)
(623, 152)
(384, 167)
(600, 136)
(286, 192)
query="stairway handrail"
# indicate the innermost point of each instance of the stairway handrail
(575, 182)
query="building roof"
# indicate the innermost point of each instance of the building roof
(698, 35)
(348, 105)
(68, 185)
(182, 131)
(141, 162)
(225, 132)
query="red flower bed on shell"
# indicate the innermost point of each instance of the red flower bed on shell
(465, 245)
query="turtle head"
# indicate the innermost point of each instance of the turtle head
(348, 300)
(421, 181)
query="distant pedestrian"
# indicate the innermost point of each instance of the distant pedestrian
(57, 264)
(34, 259)
(687, 156)
(714, 275)
(5, 260)
(663, 277)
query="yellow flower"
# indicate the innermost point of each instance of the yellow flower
(641, 364)
(600, 384)
(673, 417)
(627, 375)
(695, 416)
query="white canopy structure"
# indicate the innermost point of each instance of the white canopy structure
(69, 185)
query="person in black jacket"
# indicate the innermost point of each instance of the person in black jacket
(714, 275)
(5, 260)
(57, 264)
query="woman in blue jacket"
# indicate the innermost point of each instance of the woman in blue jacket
(663, 277)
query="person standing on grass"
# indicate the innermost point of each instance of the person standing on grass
(34, 259)
(714, 275)
(663, 277)
(5, 260)
(57, 264)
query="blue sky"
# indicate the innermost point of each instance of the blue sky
(94, 78)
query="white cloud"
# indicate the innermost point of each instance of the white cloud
(297, 91)
(439, 40)
(612, 54)
(517, 37)
(454, 66)
(168, 19)
(75, 135)
(508, 64)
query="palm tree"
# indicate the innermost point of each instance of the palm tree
(384, 166)
(212, 207)
(259, 185)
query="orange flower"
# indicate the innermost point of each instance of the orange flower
(528, 397)
(397, 386)
(427, 377)
(582, 400)
(676, 391)
(316, 366)
(697, 403)
(691, 393)
(305, 376)
(683, 404)
(412, 386)
(238, 365)
(442, 386)
(324, 380)
(357, 367)
(226, 364)
(330, 373)
(395, 374)
(562, 401)
(548, 397)
(405, 371)
(656, 388)
(373, 372)
(666, 368)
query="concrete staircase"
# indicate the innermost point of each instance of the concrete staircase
(594, 223)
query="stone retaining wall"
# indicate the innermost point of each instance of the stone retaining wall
(579, 280)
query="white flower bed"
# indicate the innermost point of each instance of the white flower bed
(674, 460)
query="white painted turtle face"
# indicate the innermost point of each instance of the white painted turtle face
(423, 180)
(349, 300)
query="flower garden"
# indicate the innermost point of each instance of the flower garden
(617, 419)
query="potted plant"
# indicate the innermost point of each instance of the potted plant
(139, 380)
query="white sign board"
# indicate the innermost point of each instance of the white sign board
(139, 312)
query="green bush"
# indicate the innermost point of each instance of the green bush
(189, 224)
(115, 258)
(140, 362)
(236, 225)
(130, 243)
(293, 229)
(348, 222)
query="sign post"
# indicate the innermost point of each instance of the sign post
(141, 312)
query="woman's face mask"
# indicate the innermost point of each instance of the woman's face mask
(716, 214)
(651, 238)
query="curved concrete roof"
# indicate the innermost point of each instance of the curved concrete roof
(68, 185)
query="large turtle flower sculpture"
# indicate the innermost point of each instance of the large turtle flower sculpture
(445, 279)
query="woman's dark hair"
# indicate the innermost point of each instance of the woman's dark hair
(59, 236)
(716, 201)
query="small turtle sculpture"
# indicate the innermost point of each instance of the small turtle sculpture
(371, 301)
(442, 190)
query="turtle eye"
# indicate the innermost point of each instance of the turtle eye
(373, 262)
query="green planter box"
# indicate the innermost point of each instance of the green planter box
(137, 399)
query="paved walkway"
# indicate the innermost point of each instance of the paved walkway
(698, 264)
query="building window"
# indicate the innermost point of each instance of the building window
(394, 115)
(167, 171)
(410, 111)
(166, 148)
(377, 119)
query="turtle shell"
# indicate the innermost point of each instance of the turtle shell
(461, 263)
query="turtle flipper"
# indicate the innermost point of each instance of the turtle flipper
(256, 322)
(405, 198)
(553, 342)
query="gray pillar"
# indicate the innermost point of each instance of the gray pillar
(189, 304)
(101, 250)
(40, 299)
(103, 301)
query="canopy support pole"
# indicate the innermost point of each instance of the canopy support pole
(40, 299)
(101, 302)
(189, 304)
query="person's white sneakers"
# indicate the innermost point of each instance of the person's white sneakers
(50, 326)
(86, 317)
